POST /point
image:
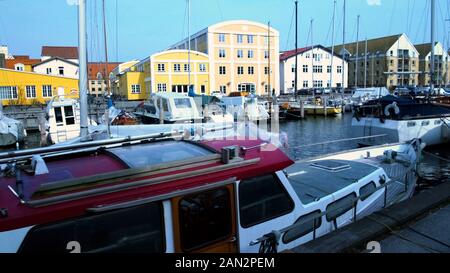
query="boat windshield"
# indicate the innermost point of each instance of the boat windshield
(139, 156)
(183, 103)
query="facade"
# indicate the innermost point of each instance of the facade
(388, 61)
(5, 51)
(116, 73)
(440, 67)
(98, 74)
(57, 66)
(69, 53)
(239, 54)
(315, 69)
(21, 63)
(28, 88)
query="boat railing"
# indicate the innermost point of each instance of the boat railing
(270, 241)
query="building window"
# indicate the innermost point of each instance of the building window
(339, 69)
(318, 84)
(257, 195)
(161, 67)
(202, 67)
(202, 89)
(307, 55)
(293, 69)
(8, 92)
(222, 53)
(47, 91)
(177, 67)
(305, 68)
(187, 67)
(61, 71)
(240, 70)
(251, 70)
(266, 54)
(329, 69)
(223, 89)
(305, 84)
(250, 54)
(162, 87)
(266, 70)
(19, 67)
(49, 71)
(135, 89)
(222, 70)
(317, 69)
(293, 84)
(222, 38)
(31, 91)
(240, 38)
(250, 39)
(240, 53)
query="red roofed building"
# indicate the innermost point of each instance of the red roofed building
(21, 63)
(97, 74)
(69, 53)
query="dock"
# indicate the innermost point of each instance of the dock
(419, 224)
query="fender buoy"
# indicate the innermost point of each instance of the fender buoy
(391, 106)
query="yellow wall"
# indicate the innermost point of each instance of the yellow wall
(127, 80)
(22, 79)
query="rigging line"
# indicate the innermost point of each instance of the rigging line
(117, 31)
(407, 14)
(425, 32)
(411, 17)
(392, 17)
(416, 37)
(183, 29)
(220, 9)
(329, 31)
(290, 29)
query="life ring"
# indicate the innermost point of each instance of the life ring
(391, 106)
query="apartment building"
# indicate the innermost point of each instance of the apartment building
(318, 67)
(243, 56)
(441, 64)
(99, 74)
(386, 61)
(21, 63)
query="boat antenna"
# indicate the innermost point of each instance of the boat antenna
(83, 82)
(105, 77)
(433, 4)
(296, 50)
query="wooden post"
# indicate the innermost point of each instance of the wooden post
(161, 111)
(302, 109)
(324, 101)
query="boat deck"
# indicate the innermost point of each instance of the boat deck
(315, 180)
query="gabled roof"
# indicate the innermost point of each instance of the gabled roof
(424, 49)
(95, 68)
(55, 58)
(291, 53)
(25, 60)
(65, 52)
(381, 45)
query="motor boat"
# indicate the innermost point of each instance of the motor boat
(11, 131)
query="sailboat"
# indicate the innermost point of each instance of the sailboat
(404, 118)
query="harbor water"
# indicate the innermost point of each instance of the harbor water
(328, 132)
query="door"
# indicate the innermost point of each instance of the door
(205, 222)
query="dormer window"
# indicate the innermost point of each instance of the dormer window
(19, 67)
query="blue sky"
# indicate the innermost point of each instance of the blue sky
(148, 26)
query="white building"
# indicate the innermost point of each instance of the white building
(4, 50)
(69, 53)
(314, 69)
(58, 67)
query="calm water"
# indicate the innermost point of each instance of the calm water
(434, 169)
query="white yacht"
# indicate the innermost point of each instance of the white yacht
(11, 131)
(245, 108)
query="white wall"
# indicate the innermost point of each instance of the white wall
(287, 76)
(70, 70)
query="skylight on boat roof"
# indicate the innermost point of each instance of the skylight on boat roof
(138, 156)
(330, 165)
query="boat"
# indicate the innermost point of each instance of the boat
(62, 120)
(245, 108)
(160, 193)
(316, 107)
(399, 119)
(177, 108)
(12, 131)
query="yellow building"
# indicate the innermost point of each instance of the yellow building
(166, 71)
(27, 88)
(239, 56)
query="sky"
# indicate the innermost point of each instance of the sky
(138, 28)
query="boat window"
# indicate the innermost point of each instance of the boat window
(165, 105)
(68, 112)
(58, 115)
(340, 207)
(309, 222)
(183, 103)
(437, 122)
(367, 190)
(411, 124)
(262, 199)
(138, 229)
(425, 123)
(205, 218)
(139, 156)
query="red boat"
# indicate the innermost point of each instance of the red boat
(160, 194)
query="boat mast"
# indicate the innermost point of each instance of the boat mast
(189, 44)
(357, 52)
(83, 81)
(332, 45)
(296, 50)
(433, 2)
(312, 53)
(343, 50)
(365, 64)
(268, 46)
(106, 76)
